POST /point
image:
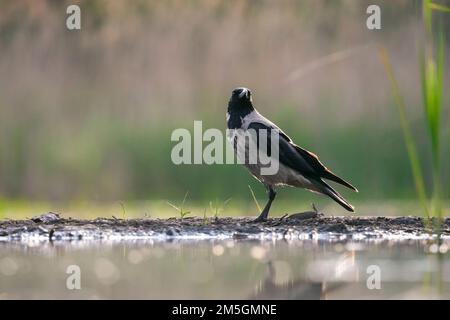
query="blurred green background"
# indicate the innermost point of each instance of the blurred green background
(86, 116)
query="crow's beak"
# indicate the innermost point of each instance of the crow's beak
(243, 92)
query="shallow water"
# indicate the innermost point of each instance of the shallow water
(226, 269)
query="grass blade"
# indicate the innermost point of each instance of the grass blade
(407, 136)
(254, 199)
(438, 7)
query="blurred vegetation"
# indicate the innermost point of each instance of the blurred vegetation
(431, 63)
(87, 115)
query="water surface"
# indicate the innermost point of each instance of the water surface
(227, 269)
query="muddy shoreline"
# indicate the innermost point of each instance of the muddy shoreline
(52, 227)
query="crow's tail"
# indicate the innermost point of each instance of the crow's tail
(326, 189)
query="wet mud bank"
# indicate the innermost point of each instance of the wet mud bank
(52, 227)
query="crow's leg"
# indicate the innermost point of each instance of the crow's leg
(265, 212)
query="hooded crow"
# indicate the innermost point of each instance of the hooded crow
(297, 167)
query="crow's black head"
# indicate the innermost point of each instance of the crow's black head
(241, 100)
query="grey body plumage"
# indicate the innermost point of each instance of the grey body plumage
(297, 166)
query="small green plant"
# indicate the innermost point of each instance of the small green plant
(205, 218)
(183, 213)
(254, 199)
(216, 208)
(124, 213)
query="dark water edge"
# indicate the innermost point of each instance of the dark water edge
(308, 225)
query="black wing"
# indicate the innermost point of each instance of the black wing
(297, 158)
